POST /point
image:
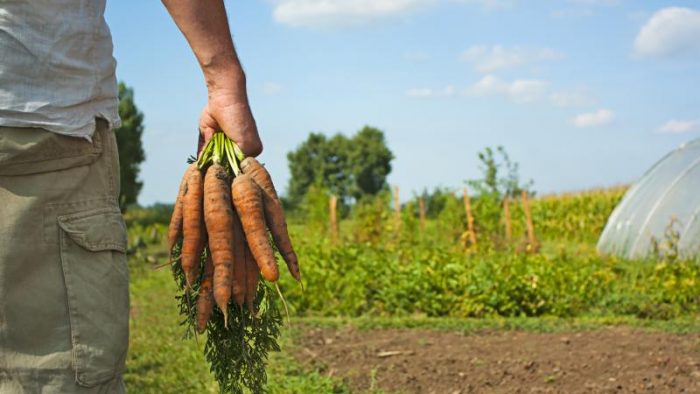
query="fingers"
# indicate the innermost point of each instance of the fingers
(248, 141)
(207, 128)
(236, 121)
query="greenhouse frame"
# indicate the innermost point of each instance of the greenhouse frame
(660, 214)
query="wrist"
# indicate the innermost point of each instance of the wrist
(225, 78)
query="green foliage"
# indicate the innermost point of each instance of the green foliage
(435, 200)
(451, 222)
(578, 217)
(571, 217)
(157, 213)
(131, 153)
(682, 325)
(370, 216)
(419, 278)
(314, 209)
(500, 175)
(370, 162)
(237, 352)
(347, 167)
(668, 247)
(500, 178)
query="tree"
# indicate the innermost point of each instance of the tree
(501, 176)
(436, 200)
(370, 161)
(131, 153)
(347, 167)
(318, 161)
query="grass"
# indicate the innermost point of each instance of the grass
(162, 361)
(684, 325)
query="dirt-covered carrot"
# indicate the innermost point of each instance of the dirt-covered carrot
(238, 289)
(252, 278)
(193, 231)
(274, 213)
(247, 197)
(175, 226)
(260, 175)
(218, 216)
(205, 301)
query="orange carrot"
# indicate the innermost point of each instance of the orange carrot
(239, 266)
(205, 301)
(193, 234)
(218, 216)
(252, 278)
(247, 199)
(175, 227)
(274, 213)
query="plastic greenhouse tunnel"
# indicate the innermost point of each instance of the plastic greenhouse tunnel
(660, 214)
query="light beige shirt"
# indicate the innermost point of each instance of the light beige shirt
(57, 71)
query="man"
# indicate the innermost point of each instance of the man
(64, 304)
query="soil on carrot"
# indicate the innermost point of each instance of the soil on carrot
(610, 360)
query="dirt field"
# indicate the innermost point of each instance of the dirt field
(614, 360)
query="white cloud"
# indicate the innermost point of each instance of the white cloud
(572, 98)
(271, 89)
(674, 126)
(488, 59)
(334, 13)
(520, 90)
(598, 118)
(447, 91)
(670, 31)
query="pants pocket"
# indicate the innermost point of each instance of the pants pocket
(27, 151)
(93, 259)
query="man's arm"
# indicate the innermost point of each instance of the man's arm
(205, 26)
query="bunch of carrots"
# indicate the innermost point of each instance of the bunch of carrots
(225, 206)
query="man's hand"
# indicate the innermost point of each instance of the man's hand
(205, 26)
(233, 117)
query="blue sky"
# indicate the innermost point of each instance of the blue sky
(582, 93)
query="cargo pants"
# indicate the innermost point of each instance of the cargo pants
(64, 295)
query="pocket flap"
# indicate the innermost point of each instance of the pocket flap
(96, 230)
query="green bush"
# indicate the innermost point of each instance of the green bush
(406, 279)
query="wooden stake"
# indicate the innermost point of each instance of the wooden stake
(506, 216)
(333, 219)
(421, 213)
(397, 210)
(532, 241)
(470, 218)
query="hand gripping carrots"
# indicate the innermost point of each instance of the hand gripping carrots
(226, 213)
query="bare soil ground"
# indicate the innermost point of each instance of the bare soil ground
(612, 360)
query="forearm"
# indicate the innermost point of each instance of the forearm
(205, 26)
